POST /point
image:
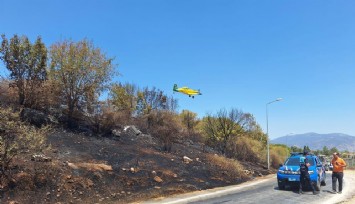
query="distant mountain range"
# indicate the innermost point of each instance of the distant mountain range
(317, 141)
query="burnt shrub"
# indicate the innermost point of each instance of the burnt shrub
(8, 93)
(108, 119)
(164, 126)
(35, 117)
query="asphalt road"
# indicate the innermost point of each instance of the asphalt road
(265, 191)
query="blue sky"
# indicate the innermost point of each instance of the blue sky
(240, 54)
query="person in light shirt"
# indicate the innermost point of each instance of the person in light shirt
(338, 172)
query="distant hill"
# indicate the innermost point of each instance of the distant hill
(317, 141)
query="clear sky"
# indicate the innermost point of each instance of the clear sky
(240, 54)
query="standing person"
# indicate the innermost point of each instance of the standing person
(304, 175)
(338, 172)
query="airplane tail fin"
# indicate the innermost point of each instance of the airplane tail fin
(175, 87)
(199, 92)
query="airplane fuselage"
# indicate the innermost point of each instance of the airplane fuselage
(187, 91)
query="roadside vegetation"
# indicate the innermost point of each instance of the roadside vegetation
(67, 80)
(58, 88)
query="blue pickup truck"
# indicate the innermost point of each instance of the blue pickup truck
(289, 173)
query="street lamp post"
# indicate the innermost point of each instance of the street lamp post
(267, 132)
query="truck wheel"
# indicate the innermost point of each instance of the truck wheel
(281, 186)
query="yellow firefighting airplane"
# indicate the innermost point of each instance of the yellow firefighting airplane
(187, 91)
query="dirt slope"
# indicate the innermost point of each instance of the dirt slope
(86, 169)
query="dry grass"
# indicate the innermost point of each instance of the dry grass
(278, 155)
(276, 160)
(245, 149)
(231, 167)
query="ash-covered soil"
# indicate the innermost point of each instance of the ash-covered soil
(88, 169)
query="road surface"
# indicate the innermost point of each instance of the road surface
(265, 191)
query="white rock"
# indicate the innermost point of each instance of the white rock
(187, 159)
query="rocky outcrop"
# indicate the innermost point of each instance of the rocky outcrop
(132, 130)
(40, 158)
(90, 166)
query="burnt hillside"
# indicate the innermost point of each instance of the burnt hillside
(123, 169)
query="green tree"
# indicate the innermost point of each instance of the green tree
(123, 96)
(253, 129)
(325, 151)
(27, 66)
(81, 71)
(223, 127)
(332, 150)
(317, 152)
(296, 149)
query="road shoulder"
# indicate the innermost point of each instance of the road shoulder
(210, 193)
(348, 195)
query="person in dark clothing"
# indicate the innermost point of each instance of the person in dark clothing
(304, 175)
